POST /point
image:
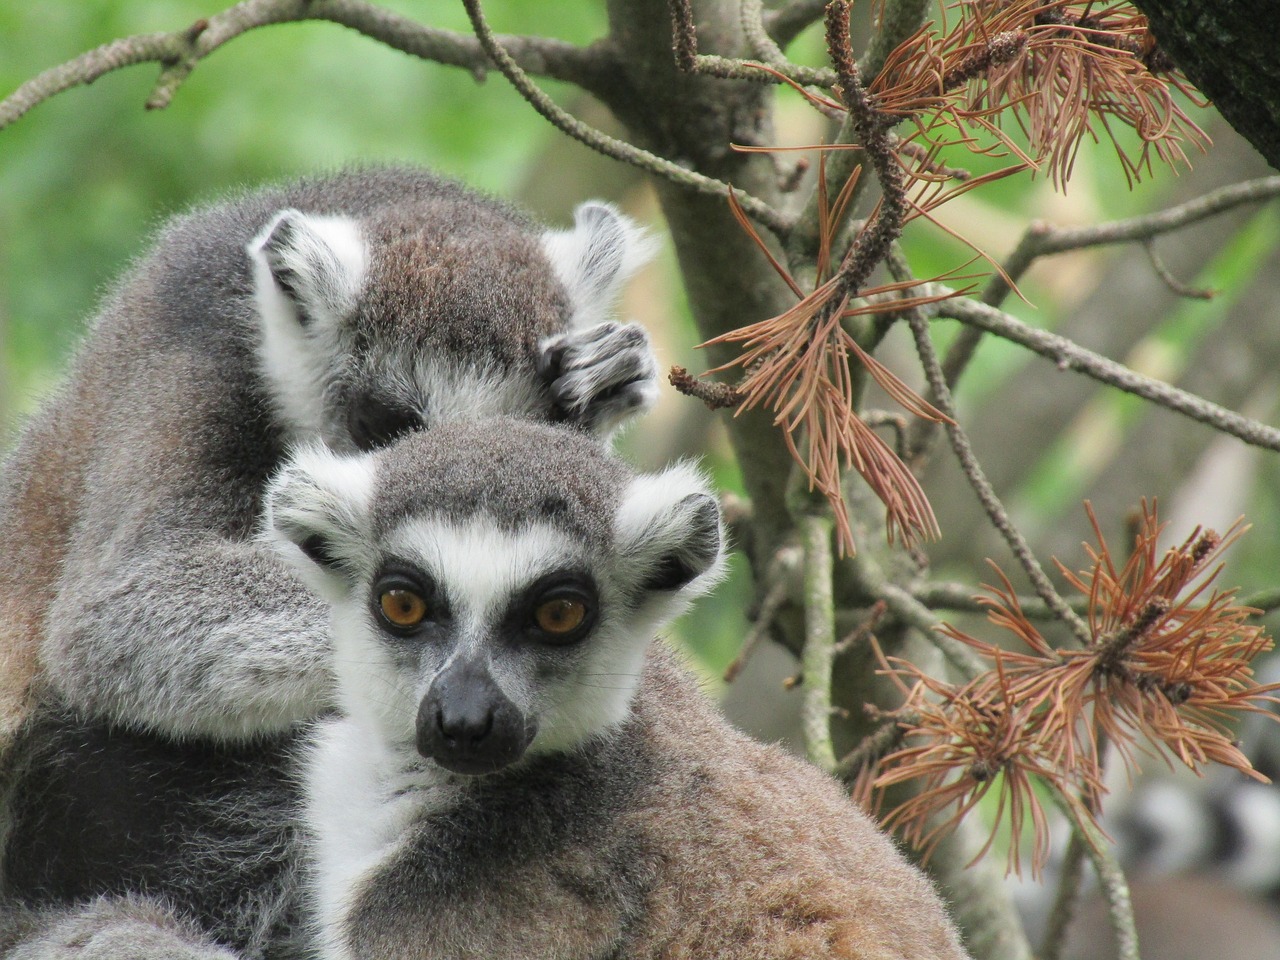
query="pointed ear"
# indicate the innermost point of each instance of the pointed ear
(312, 266)
(593, 259)
(669, 533)
(317, 516)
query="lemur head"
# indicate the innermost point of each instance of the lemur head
(377, 324)
(494, 583)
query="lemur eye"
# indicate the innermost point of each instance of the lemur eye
(560, 616)
(402, 608)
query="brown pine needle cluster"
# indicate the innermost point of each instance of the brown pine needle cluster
(801, 364)
(1061, 70)
(1168, 672)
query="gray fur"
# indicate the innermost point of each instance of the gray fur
(133, 591)
(635, 823)
(131, 499)
(124, 928)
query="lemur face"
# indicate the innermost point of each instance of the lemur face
(494, 584)
(374, 327)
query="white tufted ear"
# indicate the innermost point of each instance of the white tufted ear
(596, 257)
(669, 533)
(316, 516)
(308, 272)
(316, 264)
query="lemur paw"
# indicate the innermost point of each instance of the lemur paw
(602, 375)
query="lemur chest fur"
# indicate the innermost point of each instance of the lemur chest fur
(545, 862)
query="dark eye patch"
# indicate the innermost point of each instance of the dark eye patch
(527, 616)
(374, 423)
(399, 577)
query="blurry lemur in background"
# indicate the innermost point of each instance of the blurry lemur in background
(157, 661)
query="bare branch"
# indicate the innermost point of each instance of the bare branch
(902, 18)
(1042, 239)
(819, 640)
(1068, 355)
(907, 609)
(178, 52)
(1065, 899)
(772, 67)
(1115, 887)
(778, 579)
(1170, 281)
(960, 597)
(973, 470)
(611, 146)
(786, 24)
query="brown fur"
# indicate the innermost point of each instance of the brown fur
(715, 847)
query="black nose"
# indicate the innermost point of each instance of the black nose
(468, 725)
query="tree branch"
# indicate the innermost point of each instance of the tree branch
(910, 611)
(1065, 899)
(961, 597)
(1042, 239)
(819, 640)
(786, 24)
(179, 51)
(1068, 355)
(973, 470)
(611, 146)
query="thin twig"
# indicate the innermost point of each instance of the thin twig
(960, 597)
(819, 639)
(761, 44)
(778, 587)
(902, 19)
(786, 24)
(1065, 899)
(1042, 240)
(876, 744)
(772, 67)
(872, 581)
(180, 50)
(611, 146)
(973, 471)
(1115, 888)
(1170, 281)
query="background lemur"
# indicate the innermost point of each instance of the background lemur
(350, 309)
(517, 771)
(169, 656)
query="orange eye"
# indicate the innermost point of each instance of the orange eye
(403, 608)
(560, 616)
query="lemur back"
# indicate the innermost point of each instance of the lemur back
(519, 770)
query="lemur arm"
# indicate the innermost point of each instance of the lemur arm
(168, 615)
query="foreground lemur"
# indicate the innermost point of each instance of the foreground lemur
(518, 770)
(154, 658)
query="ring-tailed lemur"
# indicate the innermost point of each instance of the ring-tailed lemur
(348, 309)
(518, 771)
(168, 655)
